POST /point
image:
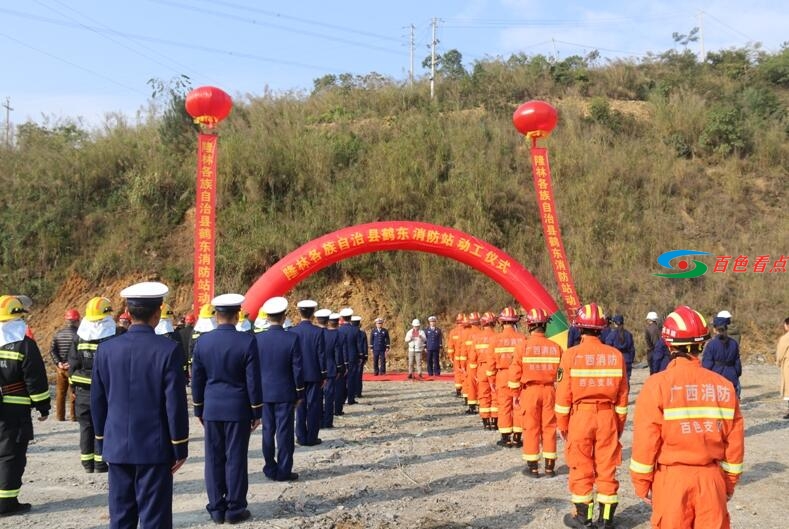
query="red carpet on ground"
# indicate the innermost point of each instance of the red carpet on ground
(404, 376)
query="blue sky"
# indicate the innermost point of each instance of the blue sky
(87, 58)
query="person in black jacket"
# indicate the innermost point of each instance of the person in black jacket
(58, 351)
(23, 384)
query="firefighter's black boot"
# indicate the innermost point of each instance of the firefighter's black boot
(457, 392)
(550, 468)
(517, 440)
(494, 423)
(531, 469)
(505, 440)
(485, 423)
(582, 518)
(606, 518)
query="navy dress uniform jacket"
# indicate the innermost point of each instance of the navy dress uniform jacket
(435, 339)
(226, 376)
(313, 353)
(281, 370)
(138, 399)
(379, 340)
(331, 346)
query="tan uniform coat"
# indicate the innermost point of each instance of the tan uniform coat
(782, 359)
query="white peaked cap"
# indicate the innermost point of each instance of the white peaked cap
(323, 313)
(307, 304)
(145, 290)
(227, 300)
(334, 316)
(724, 314)
(346, 312)
(356, 318)
(276, 305)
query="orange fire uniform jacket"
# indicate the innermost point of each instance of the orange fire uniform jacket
(591, 407)
(509, 347)
(688, 445)
(453, 352)
(486, 374)
(532, 374)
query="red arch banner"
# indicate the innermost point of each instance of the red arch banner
(414, 236)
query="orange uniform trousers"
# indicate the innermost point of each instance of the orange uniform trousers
(593, 452)
(687, 497)
(485, 395)
(539, 421)
(470, 385)
(510, 419)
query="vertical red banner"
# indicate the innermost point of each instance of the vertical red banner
(205, 221)
(541, 172)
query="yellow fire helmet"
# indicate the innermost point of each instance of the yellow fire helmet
(207, 311)
(167, 311)
(98, 308)
(11, 308)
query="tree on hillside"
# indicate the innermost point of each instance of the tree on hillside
(177, 130)
(448, 65)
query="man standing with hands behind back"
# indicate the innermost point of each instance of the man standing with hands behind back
(227, 399)
(144, 439)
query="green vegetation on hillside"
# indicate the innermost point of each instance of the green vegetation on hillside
(652, 155)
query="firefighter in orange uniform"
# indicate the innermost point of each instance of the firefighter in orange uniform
(509, 345)
(453, 352)
(534, 372)
(469, 338)
(688, 437)
(486, 374)
(591, 409)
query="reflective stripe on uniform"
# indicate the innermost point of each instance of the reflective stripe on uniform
(731, 468)
(99, 437)
(489, 373)
(84, 346)
(586, 498)
(481, 346)
(596, 373)
(641, 468)
(549, 455)
(531, 457)
(699, 412)
(505, 430)
(472, 366)
(11, 355)
(180, 441)
(79, 379)
(621, 410)
(484, 410)
(494, 409)
(10, 399)
(517, 429)
(605, 498)
(87, 457)
(38, 397)
(504, 349)
(540, 360)
(564, 410)
(254, 406)
(198, 404)
(513, 385)
(97, 458)
(462, 358)
(9, 493)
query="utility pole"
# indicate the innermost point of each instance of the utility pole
(701, 35)
(8, 109)
(411, 72)
(434, 23)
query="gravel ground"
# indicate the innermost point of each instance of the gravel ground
(405, 456)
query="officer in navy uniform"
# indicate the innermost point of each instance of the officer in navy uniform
(283, 385)
(341, 382)
(313, 357)
(361, 338)
(96, 327)
(379, 343)
(227, 400)
(140, 414)
(23, 385)
(434, 343)
(333, 356)
(350, 337)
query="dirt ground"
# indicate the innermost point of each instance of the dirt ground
(405, 456)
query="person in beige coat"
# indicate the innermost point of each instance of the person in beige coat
(782, 359)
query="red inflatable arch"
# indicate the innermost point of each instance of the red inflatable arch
(414, 236)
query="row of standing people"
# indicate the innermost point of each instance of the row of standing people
(688, 434)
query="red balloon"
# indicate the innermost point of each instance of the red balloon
(535, 118)
(208, 105)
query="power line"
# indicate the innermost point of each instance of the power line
(119, 43)
(196, 47)
(254, 22)
(75, 65)
(472, 23)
